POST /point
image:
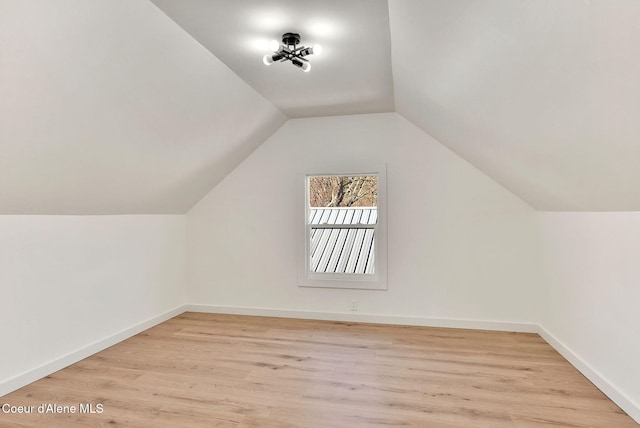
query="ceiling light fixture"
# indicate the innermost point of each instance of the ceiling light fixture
(288, 50)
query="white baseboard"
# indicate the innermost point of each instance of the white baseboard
(30, 376)
(600, 381)
(519, 327)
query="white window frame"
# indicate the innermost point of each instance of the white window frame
(374, 281)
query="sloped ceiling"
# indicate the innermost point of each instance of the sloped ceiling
(130, 106)
(543, 96)
(109, 107)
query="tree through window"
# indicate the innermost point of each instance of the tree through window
(343, 191)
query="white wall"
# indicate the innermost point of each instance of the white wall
(69, 281)
(592, 301)
(460, 245)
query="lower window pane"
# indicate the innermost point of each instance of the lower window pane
(342, 250)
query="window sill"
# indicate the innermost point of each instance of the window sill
(363, 282)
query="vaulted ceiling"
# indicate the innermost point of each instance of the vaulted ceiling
(543, 95)
(139, 106)
(109, 107)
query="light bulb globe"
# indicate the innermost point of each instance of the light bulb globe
(274, 45)
(267, 59)
(306, 66)
(317, 49)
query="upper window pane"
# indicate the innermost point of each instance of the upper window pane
(343, 191)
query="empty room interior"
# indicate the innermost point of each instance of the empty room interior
(336, 213)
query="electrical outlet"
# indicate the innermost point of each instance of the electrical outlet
(353, 305)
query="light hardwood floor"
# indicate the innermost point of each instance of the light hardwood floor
(205, 370)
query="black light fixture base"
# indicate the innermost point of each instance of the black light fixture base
(291, 39)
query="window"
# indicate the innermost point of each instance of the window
(344, 231)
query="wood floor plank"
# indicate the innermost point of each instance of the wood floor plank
(231, 371)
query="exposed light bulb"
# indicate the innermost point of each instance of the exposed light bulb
(304, 65)
(269, 59)
(274, 45)
(315, 50)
